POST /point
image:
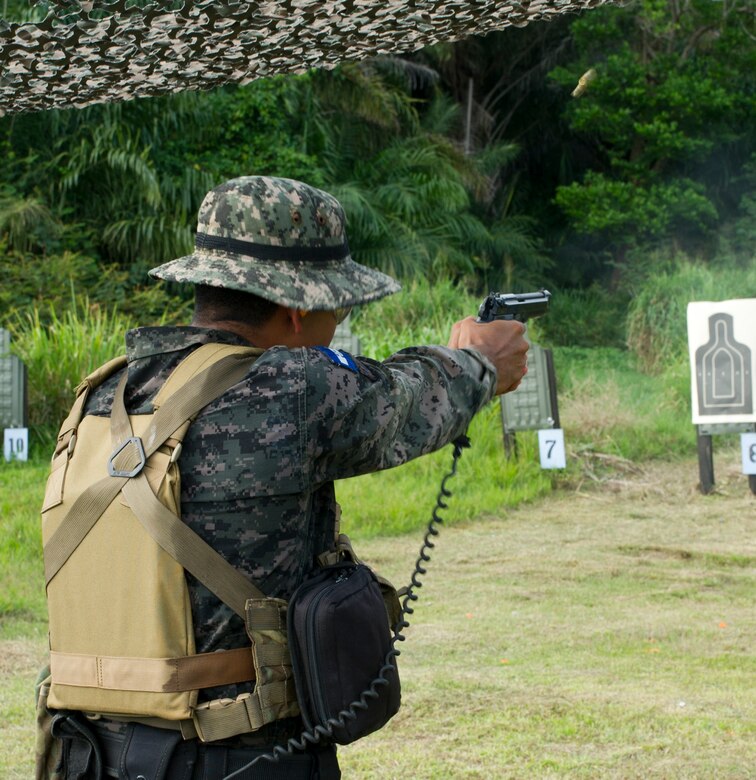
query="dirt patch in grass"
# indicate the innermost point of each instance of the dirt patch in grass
(20, 656)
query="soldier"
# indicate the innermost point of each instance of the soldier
(272, 270)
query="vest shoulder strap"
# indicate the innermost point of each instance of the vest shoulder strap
(90, 382)
(215, 369)
(165, 527)
(196, 362)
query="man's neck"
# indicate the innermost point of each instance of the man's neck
(287, 327)
(274, 331)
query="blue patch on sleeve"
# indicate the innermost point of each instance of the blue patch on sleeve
(339, 358)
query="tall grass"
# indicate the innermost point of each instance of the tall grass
(609, 405)
(657, 325)
(592, 317)
(58, 351)
(402, 499)
(422, 313)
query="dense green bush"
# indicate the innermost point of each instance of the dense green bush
(666, 124)
(51, 284)
(593, 317)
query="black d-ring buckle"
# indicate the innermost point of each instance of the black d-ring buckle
(114, 472)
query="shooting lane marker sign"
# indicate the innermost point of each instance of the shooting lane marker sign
(16, 444)
(551, 449)
(534, 406)
(748, 448)
(722, 346)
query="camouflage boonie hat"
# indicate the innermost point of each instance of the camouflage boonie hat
(280, 239)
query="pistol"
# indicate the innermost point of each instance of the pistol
(514, 306)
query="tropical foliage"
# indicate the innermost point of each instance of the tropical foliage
(468, 162)
(668, 121)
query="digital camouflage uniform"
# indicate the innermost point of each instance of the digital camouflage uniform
(258, 463)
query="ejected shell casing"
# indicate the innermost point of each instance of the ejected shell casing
(583, 82)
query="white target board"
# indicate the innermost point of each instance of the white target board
(722, 347)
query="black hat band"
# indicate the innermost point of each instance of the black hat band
(289, 254)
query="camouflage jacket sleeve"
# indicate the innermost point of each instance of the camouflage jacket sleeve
(384, 414)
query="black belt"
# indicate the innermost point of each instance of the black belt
(161, 754)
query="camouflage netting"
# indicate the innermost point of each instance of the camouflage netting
(91, 52)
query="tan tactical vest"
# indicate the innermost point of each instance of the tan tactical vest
(115, 550)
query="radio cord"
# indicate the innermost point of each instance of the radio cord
(320, 731)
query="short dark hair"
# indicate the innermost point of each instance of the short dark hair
(220, 303)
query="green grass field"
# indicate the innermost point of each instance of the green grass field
(603, 631)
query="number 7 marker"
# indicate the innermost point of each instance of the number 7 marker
(551, 448)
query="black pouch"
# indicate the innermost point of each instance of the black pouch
(150, 753)
(339, 640)
(81, 757)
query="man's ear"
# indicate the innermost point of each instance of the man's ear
(294, 320)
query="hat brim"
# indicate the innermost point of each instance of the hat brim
(306, 285)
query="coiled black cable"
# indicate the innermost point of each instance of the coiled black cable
(315, 735)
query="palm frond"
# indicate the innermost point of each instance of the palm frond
(364, 218)
(496, 156)
(150, 239)
(26, 221)
(110, 152)
(442, 116)
(413, 75)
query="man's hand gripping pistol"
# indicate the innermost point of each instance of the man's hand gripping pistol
(503, 343)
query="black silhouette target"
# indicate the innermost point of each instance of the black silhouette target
(723, 365)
